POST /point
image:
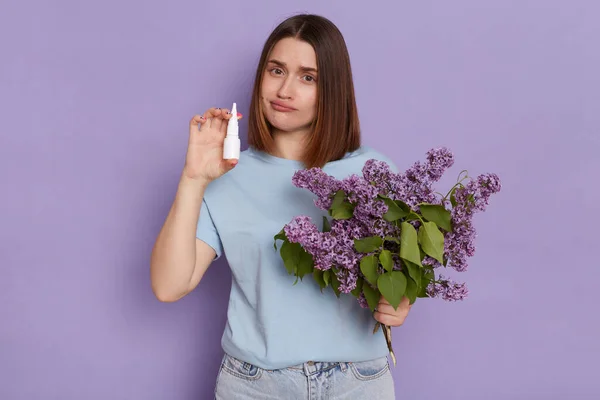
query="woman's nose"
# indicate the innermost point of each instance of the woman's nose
(285, 90)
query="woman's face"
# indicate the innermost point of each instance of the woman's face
(289, 86)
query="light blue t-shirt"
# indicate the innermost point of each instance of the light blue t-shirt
(272, 323)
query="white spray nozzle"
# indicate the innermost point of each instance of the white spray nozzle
(231, 146)
(232, 124)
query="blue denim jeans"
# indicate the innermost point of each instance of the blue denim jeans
(239, 380)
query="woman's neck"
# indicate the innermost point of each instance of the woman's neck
(290, 145)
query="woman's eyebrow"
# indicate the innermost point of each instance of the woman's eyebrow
(282, 64)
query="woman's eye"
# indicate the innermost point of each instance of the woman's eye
(309, 78)
(276, 71)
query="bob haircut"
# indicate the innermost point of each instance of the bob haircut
(335, 129)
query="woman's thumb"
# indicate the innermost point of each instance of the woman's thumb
(230, 164)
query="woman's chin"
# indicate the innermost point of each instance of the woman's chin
(284, 126)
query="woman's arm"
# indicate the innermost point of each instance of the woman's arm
(179, 259)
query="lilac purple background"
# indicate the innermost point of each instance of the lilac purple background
(95, 102)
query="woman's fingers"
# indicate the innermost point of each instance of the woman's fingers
(218, 118)
(211, 114)
(197, 120)
(227, 117)
(384, 307)
(194, 122)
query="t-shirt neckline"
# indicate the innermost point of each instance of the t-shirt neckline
(295, 163)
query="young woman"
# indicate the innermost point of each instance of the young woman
(281, 341)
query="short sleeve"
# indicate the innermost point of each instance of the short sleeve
(207, 232)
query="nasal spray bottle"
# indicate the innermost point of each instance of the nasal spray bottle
(231, 146)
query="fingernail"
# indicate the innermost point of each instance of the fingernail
(239, 114)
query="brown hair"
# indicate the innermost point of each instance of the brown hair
(336, 128)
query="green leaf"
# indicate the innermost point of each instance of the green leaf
(405, 207)
(372, 296)
(427, 277)
(409, 245)
(423, 254)
(341, 209)
(391, 239)
(305, 263)
(438, 214)
(338, 199)
(344, 211)
(326, 225)
(279, 236)
(327, 276)
(290, 253)
(432, 240)
(385, 258)
(296, 260)
(358, 288)
(368, 266)
(318, 275)
(394, 212)
(392, 287)
(411, 290)
(368, 244)
(335, 284)
(412, 216)
(414, 271)
(453, 197)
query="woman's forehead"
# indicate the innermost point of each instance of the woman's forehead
(293, 53)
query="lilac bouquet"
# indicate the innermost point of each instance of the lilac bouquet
(387, 232)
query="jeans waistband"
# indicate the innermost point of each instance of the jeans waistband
(314, 367)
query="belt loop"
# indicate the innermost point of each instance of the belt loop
(247, 366)
(343, 366)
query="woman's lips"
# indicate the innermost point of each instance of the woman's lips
(280, 107)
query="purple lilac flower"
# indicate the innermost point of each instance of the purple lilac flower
(327, 248)
(362, 300)
(298, 230)
(447, 289)
(431, 262)
(359, 190)
(318, 182)
(347, 279)
(336, 248)
(320, 245)
(378, 173)
(438, 161)
(473, 197)
(414, 186)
